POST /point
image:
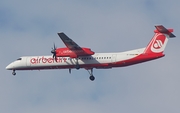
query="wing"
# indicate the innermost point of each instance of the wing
(69, 42)
(79, 51)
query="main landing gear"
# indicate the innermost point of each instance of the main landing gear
(77, 64)
(90, 71)
(14, 73)
(91, 77)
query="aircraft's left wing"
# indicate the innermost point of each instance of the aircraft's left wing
(69, 42)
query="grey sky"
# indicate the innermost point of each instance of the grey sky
(30, 28)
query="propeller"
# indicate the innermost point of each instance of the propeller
(53, 51)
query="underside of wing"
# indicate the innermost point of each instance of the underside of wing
(69, 42)
(75, 48)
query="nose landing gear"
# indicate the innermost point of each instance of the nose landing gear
(92, 78)
(14, 73)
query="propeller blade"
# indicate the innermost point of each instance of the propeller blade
(53, 51)
(55, 58)
(54, 46)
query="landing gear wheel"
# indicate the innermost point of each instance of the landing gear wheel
(92, 78)
(13, 73)
(77, 67)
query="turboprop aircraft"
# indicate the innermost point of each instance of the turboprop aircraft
(73, 56)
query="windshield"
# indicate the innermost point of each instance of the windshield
(19, 59)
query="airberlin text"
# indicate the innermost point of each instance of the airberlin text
(45, 60)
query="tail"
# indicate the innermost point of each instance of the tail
(159, 40)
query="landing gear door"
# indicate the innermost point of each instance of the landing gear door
(28, 63)
(113, 59)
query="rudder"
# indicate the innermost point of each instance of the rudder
(159, 40)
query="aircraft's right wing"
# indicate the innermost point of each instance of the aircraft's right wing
(79, 51)
(69, 42)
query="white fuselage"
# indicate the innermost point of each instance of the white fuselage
(98, 60)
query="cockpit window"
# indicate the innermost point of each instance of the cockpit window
(19, 59)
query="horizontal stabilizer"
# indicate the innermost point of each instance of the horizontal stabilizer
(162, 29)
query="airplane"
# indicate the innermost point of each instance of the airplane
(75, 57)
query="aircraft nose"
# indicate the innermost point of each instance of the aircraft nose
(9, 67)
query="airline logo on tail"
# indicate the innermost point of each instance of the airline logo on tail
(159, 43)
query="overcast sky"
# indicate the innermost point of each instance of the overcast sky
(29, 27)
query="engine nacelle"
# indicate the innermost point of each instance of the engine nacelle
(66, 52)
(88, 51)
